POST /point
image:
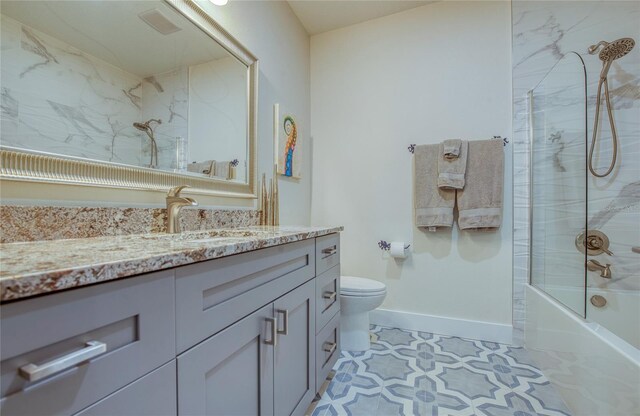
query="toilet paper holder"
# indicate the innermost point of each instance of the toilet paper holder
(387, 246)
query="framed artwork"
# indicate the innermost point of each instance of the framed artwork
(288, 152)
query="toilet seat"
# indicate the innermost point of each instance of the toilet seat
(359, 286)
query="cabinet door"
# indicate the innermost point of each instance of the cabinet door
(230, 373)
(294, 379)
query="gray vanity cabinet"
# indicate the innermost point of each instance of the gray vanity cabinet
(249, 334)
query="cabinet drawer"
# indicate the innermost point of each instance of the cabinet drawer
(152, 395)
(327, 296)
(212, 295)
(327, 252)
(327, 349)
(133, 318)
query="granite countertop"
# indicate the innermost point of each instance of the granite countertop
(34, 268)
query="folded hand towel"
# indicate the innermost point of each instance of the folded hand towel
(205, 167)
(434, 206)
(222, 170)
(451, 171)
(480, 202)
(451, 149)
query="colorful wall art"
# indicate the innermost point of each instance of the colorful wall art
(288, 147)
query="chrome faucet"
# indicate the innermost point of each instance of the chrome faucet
(175, 203)
(595, 265)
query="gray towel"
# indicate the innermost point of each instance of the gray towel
(205, 167)
(451, 171)
(480, 202)
(451, 148)
(434, 206)
(222, 170)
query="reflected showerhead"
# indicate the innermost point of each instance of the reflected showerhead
(141, 126)
(146, 125)
(613, 50)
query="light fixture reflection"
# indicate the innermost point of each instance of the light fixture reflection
(219, 2)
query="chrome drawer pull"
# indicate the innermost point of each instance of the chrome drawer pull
(329, 347)
(274, 330)
(330, 295)
(285, 321)
(329, 251)
(92, 349)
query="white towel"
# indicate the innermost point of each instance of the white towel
(433, 206)
(451, 171)
(480, 202)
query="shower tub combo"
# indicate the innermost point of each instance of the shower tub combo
(583, 303)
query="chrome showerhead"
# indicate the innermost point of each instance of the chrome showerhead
(612, 50)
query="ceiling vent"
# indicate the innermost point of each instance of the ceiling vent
(158, 21)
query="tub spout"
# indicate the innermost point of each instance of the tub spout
(595, 265)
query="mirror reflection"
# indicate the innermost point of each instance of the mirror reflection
(128, 82)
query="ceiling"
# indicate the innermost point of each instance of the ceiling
(319, 16)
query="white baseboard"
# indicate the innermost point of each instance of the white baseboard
(463, 328)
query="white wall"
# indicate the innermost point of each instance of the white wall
(420, 76)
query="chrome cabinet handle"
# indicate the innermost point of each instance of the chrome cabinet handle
(329, 251)
(329, 347)
(285, 321)
(274, 327)
(33, 372)
(330, 295)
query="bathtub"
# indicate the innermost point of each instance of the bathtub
(595, 371)
(621, 314)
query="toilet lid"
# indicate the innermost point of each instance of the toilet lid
(351, 285)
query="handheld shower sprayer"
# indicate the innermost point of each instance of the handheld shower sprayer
(609, 52)
(146, 127)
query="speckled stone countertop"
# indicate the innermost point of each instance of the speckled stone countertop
(34, 268)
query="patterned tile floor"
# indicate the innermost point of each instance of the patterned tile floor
(418, 373)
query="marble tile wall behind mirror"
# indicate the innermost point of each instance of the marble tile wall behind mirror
(73, 85)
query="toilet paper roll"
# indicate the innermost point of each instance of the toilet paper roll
(398, 250)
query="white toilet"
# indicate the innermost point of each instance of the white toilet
(358, 296)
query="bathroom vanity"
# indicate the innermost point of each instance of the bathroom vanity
(210, 323)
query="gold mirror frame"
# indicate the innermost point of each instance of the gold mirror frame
(19, 164)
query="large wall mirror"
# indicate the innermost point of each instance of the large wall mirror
(145, 94)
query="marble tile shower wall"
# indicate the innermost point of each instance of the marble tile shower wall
(542, 33)
(59, 99)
